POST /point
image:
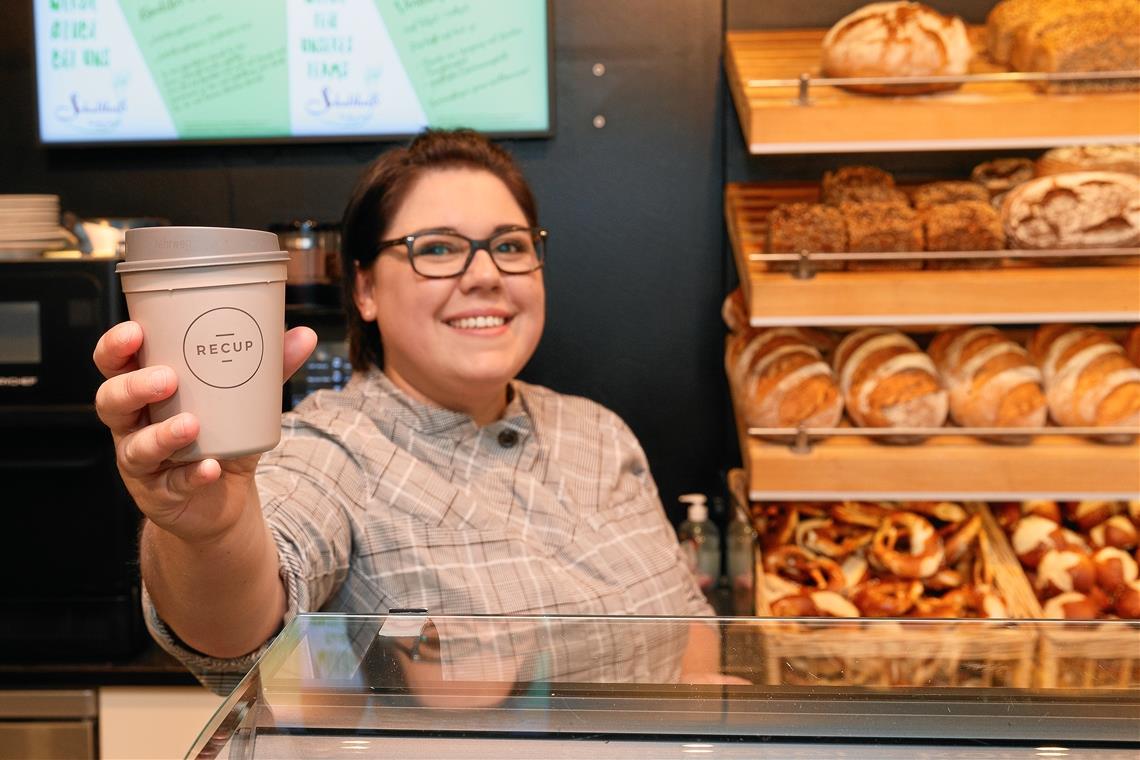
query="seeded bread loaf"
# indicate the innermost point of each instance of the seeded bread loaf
(806, 228)
(963, 226)
(887, 381)
(882, 227)
(860, 184)
(937, 193)
(892, 39)
(990, 379)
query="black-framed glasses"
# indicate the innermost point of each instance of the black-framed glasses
(440, 254)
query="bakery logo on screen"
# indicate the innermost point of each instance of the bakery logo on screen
(224, 347)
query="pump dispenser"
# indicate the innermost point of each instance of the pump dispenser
(700, 541)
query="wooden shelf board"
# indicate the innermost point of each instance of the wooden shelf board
(1008, 294)
(978, 115)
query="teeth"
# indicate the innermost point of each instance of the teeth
(474, 323)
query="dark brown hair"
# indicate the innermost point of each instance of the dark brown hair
(381, 189)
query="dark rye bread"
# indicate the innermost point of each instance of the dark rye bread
(935, 193)
(882, 227)
(859, 184)
(963, 226)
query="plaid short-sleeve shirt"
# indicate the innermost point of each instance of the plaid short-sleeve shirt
(378, 501)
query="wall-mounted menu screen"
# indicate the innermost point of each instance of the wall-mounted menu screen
(253, 70)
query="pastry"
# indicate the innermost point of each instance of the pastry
(897, 39)
(860, 184)
(963, 226)
(935, 193)
(1088, 379)
(882, 227)
(806, 228)
(887, 381)
(1076, 210)
(990, 379)
(1090, 158)
(781, 380)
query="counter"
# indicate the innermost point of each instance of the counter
(417, 686)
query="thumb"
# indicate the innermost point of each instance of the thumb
(299, 345)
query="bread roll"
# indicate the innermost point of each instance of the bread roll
(937, 193)
(781, 379)
(1132, 345)
(734, 311)
(990, 379)
(1090, 158)
(1088, 379)
(1078, 210)
(894, 39)
(887, 381)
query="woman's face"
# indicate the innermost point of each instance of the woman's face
(432, 347)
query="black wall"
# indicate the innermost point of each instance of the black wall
(636, 269)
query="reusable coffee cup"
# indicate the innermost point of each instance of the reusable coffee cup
(211, 304)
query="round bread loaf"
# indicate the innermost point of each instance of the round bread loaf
(1132, 345)
(781, 379)
(1077, 210)
(887, 381)
(1088, 379)
(990, 379)
(1090, 158)
(897, 39)
(734, 311)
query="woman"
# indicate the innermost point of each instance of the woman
(435, 479)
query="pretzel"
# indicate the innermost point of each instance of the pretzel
(781, 526)
(800, 566)
(860, 513)
(831, 539)
(923, 553)
(945, 579)
(887, 598)
(946, 511)
(814, 604)
(957, 542)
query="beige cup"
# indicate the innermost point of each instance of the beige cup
(216, 316)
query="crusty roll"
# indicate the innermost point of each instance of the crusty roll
(781, 379)
(1088, 379)
(1132, 345)
(990, 379)
(1001, 175)
(1076, 210)
(1090, 158)
(734, 311)
(897, 39)
(887, 381)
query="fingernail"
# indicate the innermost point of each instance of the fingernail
(125, 336)
(158, 381)
(178, 427)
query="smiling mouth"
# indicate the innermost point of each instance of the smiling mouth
(477, 323)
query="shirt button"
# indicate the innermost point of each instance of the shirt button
(508, 438)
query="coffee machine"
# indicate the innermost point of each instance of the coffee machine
(70, 529)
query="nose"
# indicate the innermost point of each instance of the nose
(482, 271)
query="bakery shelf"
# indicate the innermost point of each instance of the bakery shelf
(1096, 292)
(981, 114)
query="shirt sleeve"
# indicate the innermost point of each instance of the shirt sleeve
(309, 486)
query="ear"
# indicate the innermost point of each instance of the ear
(362, 293)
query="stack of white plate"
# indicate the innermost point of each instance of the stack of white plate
(29, 224)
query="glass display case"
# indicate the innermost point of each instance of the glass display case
(413, 685)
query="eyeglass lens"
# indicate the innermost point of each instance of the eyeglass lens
(444, 255)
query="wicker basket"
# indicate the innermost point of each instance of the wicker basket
(1083, 655)
(884, 653)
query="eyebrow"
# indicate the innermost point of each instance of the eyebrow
(495, 231)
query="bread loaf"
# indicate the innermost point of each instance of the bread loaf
(887, 381)
(1088, 379)
(882, 227)
(806, 228)
(1090, 158)
(1001, 175)
(1132, 345)
(781, 379)
(963, 226)
(860, 184)
(1078, 210)
(937, 193)
(894, 39)
(734, 311)
(990, 379)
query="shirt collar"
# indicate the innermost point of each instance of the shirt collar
(431, 419)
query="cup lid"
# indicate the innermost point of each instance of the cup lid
(160, 243)
(186, 262)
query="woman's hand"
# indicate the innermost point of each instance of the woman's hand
(198, 501)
